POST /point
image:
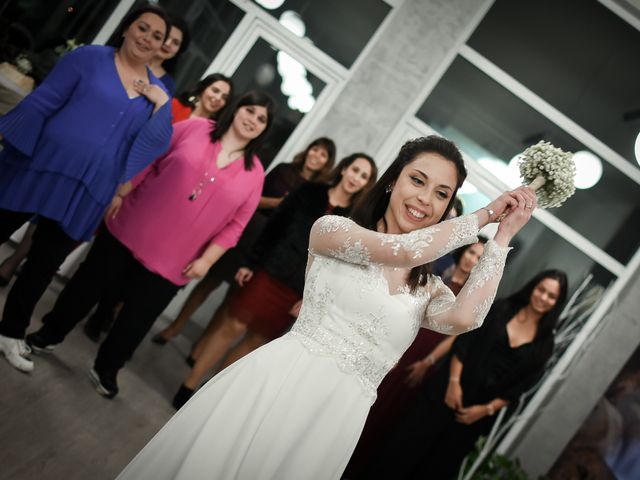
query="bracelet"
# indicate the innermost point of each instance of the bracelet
(489, 211)
(490, 409)
(430, 360)
(454, 379)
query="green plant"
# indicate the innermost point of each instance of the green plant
(492, 467)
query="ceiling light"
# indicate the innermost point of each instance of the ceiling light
(270, 4)
(293, 22)
(588, 169)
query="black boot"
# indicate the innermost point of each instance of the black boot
(182, 396)
(190, 360)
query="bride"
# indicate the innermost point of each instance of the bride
(294, 409)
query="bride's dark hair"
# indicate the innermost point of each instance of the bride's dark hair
(370, 209)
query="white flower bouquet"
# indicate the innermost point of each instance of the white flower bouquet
(549, 171)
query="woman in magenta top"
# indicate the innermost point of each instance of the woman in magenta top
(166, 227)
(160, 205)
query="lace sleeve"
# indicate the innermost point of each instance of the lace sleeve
(342, 238)
(453, 315)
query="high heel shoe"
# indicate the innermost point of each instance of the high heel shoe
(158, 339)
(182, 396)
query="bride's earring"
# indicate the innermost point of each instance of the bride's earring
(389, 189)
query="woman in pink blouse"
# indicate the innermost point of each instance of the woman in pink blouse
(182, 213)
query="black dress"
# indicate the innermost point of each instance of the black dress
(428, 442)
(279, 259)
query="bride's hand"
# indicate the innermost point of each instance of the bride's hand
(517, 217)
(417, 371)
(501, 204)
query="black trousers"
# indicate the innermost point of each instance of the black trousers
(427, 442)
(102, 318)
(146, 295)
(49, 248)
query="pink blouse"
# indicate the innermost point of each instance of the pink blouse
(165, 230)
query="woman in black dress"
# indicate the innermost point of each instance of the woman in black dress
(487, 370)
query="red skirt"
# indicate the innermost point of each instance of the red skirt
(263, 304)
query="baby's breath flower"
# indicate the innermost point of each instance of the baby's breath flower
(556, 166)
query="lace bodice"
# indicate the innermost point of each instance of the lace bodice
(357, 307)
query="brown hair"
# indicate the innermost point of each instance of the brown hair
(328, 145)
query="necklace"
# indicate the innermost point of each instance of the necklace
(204, 181)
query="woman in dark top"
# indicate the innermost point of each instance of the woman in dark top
(269, 300)
(163, 64)
(207, 99)
(399, 388)
(315, 161)
(487, 370)
(99, 118)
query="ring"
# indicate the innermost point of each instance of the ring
(528, 205)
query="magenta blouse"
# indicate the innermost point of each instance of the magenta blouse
(165, 230)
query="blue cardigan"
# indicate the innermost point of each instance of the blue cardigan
(75, 138)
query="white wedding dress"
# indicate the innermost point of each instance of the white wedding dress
(294, 409)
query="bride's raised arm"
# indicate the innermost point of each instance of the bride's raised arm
(342, 238)
(453, 315)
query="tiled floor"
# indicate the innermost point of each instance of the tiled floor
(53, 425)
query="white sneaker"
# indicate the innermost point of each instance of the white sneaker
(14, 350)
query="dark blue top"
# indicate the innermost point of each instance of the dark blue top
(168, 82)
(75, 138)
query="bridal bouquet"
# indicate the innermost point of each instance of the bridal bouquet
(549, 171)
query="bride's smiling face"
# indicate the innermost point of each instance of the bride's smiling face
(421, 193)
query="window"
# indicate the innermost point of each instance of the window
(340, 29)
(267, 68)
(577, 55)
(537, 248)
(492, 125)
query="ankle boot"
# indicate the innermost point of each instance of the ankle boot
(182, 396)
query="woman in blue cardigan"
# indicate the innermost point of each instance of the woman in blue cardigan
(100, 117)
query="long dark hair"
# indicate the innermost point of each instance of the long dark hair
(253, 97)
(335, 176)
(179, 23)
(543, 341)
(328, 145)
(189, 97)
(132, 16)
(522, 297)
(371, 207)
